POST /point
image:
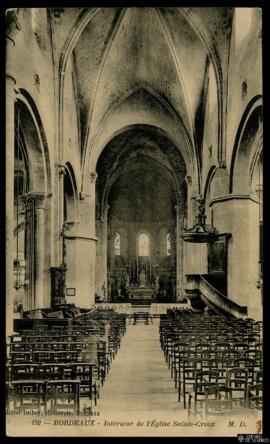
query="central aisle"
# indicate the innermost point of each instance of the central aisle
(139, 379)
(139, 399)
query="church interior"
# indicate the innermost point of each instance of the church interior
(134, 209)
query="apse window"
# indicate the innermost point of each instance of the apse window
(117, 244)
(168, 244)
(143, 245)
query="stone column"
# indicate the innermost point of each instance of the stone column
(12, 27)
(92, 201)
(92, 233)
(104, 251)
(259, 191)
(179, 255)
(239, 215)
(188, 223)
(61, 176)
(86, 246)
(190, 202)
(40, 250)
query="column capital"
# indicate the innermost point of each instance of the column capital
(93, 176)
(259, 187)
(12, 25)
(61, 170)
(67, 226)
(177, 209)
(188, 180)
(35, 197)
(83, 196)
(11, 78)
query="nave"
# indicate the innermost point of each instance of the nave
(139, 381)
(134, 183)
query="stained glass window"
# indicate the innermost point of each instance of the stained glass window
(143, 245)
(117, 244)
(168, 244)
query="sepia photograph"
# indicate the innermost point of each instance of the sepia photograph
(134, 222)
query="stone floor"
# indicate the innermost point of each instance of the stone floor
(139, 379)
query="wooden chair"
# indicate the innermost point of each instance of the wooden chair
(182, 355)
(63, 394)
(190, 367)
(221, 348)
(175, 361)
(21, 357)
(218, 400)
(85, 373)
(28, 394)
(23, 371)
(50, 371)
(257, 356)
(241, 347)
(259, 376)
(255, 396)
(237, 381)
(220, 365)
(20, 346)
(249, 364)
(203, 379)
(103, 359)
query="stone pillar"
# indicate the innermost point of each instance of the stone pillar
(35, 249)
(92, 234)
(61, 176)
(92, 202)
(190, 202)
(86, 246)
(40, 250)
(259, 191)
(239, 215)
(12, 27)
(10, 251)
(179, 255)
(103, 281)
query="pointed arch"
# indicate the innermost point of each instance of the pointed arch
(245, 136)
(37, 146)
(190, 155)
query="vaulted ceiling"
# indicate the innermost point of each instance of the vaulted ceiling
(138, 151)
(163, 49)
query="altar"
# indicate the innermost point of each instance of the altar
(135, 294)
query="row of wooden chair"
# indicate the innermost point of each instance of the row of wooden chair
(58, 365)
(202, 351)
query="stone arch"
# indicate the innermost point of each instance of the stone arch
(207, 191)
(154, 129)
(70, 195)
(175, 131)
(34, 224)
(247, 143)
(36, 144)
(207, 186)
